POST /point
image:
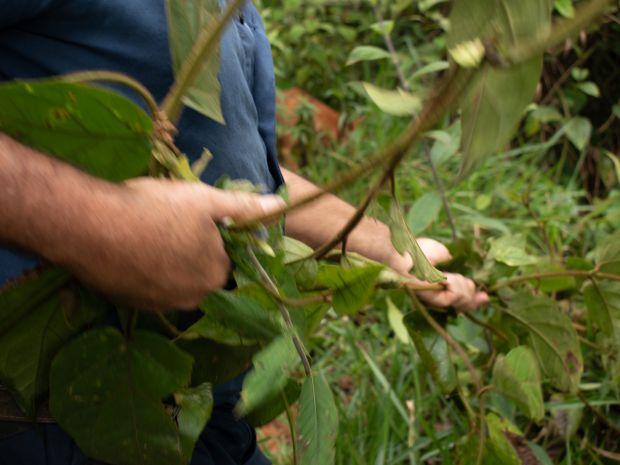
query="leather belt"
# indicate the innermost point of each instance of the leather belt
(9, 411)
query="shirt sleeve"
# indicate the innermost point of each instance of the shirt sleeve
(13, 12)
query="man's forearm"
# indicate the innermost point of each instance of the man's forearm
(43, 201)
(319, 222)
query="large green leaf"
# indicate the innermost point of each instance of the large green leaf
(405, 242)
(498, 97)
(196, 405)
(424, 212)
(272, 366)
(393, 102)
(500, 433)
(37, 317)
(208, 356)
(274, 406)
(352, 286)
(238, 313)
(107, 393)
(186, 20)
(434, 353)
(608, 254)
(317, 424)
(93, 128)
(603, 303)
(510, 250)
(517, 377)
(553, 339)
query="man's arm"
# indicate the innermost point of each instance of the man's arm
(320, 221)
(148, 243)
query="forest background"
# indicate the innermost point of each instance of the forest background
(551, 194)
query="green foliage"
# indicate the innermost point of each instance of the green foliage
(528, 239)
(272, 366)
(93, 128)
(318, 421)
(552, 337)
(186, 19)
(107, 392)
(517, 377)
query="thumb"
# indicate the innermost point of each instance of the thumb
(242, 206)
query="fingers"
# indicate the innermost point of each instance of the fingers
(460, 293)
(435, 251)
(242, 206)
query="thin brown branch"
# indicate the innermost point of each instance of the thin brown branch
(442, 99)
(586, 14)
(556, 274)
(286, 316)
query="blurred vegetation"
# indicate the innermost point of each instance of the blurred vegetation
(555, 186)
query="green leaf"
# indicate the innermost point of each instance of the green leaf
(186, 20)
(393, 102)
(366, 53)
(616, 162)
(273, 407)
(317, 424)
(510, 250)
(497, 98)
(552, 337)
(589, 88)
(239, 313)
(352, 286)
(304, 269)
(93, 128)
(434, 353)
(565, 8)
(405, 242)
(208, 356)
(395, 318)
(196, 405)
(517, 377)
(602, 300)
(578, 130)
(500, 433)
(447, 146)
(424, 212)
(272, 366)
(608, 254)
(555, 284)
(493, 107)
(106, 392)
(37, 317)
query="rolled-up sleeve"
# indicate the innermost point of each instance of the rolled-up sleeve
(15, 11)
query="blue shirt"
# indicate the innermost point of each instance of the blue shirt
(40, 38)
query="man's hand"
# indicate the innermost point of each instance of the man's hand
(161, 248)
(459, 292)
(149, 243)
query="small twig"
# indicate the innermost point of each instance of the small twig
(598, 414)
(118, 78)
(203, 48)
(565, 75)
(442, 192)
(442, 99)
(172, 330)
(292, 427)
(556, 274)
(584, 15)
(387, 38)
(405, 85)
(353, 222)
(286, 316)
(486, 326)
